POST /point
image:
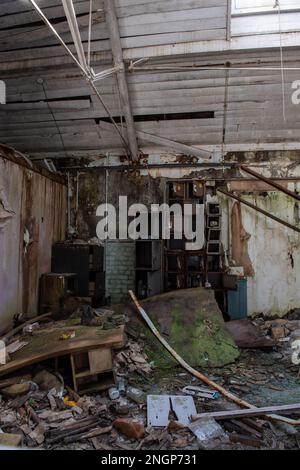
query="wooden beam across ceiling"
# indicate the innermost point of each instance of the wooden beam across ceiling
(113, 28)
(164, 142)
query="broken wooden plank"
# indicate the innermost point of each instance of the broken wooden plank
(16, 346)
(88, 435)
(245, 440)
(223, 415)
(86, 339)
(245, 427)
(78, 429)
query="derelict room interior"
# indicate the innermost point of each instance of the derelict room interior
(149, 225)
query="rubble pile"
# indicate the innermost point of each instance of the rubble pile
(148, 407)
(286, 333)
(132, 359)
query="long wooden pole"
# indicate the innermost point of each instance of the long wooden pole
(199, 375)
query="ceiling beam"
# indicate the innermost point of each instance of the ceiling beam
(213, 149)
(262, 42)
(164, 142)
(113, 28)
(177, 146)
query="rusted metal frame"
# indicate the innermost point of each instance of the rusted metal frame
(258, 209)
(87, 73)
(199, 375)
(270, 182)
(117, 52)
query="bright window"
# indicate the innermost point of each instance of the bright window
(256, 6)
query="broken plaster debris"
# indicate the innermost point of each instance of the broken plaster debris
(49, 414)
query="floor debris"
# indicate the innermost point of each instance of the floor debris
(208, 432)
(158, 410)
(201, 392)
(130, 428)
(10, 440)
(152, 407)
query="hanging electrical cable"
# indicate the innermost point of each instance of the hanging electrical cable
(40, 81)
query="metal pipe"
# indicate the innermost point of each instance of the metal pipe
(87, 74)
(157, 166)
(47, 22)
(228, 415)
(270, 182)
(90, 34)
(73, 25)
(258, 209)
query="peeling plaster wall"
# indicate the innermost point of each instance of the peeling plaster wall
(36, 210)
(272, 251)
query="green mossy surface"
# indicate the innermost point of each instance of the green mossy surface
(193, 326)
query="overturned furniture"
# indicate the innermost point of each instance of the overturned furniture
(89, 350)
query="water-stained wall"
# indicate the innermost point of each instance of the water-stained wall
(268, 251)
(32, 216)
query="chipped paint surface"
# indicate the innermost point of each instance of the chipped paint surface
(274, 251)
(240, 240)
(37, 208)
(269, 252)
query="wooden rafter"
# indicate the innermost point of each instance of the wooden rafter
(113, 28)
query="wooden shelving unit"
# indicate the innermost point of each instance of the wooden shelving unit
(92, 370)
(184, 268)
